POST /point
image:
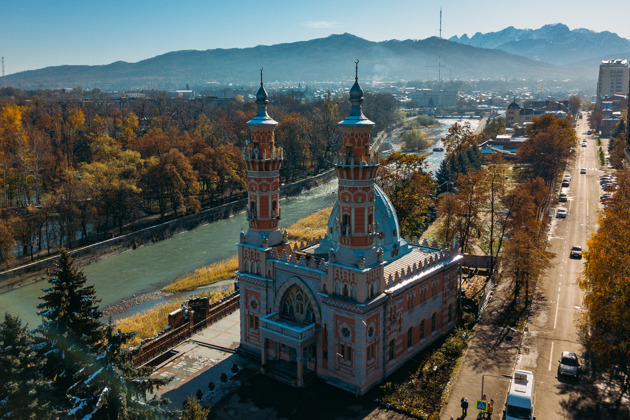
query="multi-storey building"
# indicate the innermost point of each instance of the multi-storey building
(614, 78)
(350, 307)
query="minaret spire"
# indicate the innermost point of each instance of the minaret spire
(356, 169)
(263, 160)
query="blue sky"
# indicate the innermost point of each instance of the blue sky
(41, 33)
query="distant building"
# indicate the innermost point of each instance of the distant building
(183, 94)
(609, 124)
(351, 307)
(614, 78)
(614, 103)
(433, 98)
(517, 115)
(506, 145)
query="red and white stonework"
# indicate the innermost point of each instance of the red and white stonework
(353, 306)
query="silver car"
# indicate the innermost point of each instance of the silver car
(569, 365)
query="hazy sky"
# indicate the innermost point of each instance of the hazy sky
(41, 33)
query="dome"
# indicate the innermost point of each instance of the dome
(388, 239)
(261, 95)
(356, 92)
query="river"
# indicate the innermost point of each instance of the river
(147, 268)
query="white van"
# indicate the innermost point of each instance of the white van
(520, 400)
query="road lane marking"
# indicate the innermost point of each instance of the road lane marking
(551, 355)
(555, 321)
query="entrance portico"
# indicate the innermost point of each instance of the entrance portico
(287, 333)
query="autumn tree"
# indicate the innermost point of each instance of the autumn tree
(595, 118)
(292, 135)
(171, 181)
(574, 105)
(471, 193)
(410, 189)
(605, 281)
(459, 138)
(526, 254)
(7, 240)
(550, 148)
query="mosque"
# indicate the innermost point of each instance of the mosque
(353, 306)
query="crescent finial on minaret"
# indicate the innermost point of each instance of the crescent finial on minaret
(356, 70)
(261, 82)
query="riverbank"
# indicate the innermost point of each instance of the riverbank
(37, 271)
(146, 323)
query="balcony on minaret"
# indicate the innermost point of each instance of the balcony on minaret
(342, 159)
(255, 154)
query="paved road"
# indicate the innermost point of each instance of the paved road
(559, 299)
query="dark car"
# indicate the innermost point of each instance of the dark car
(569, 365)
(576, 252)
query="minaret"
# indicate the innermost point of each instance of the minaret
(356, 169)
(263, 160)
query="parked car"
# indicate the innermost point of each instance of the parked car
(567, 177)
(565, 182)
(583, 170)
(584, 144)
(569, 364)
(576, 252)
(561, 213)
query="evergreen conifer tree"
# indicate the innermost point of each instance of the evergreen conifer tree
(21, 383)
(92, 373)
(474, 157)
(463, 164)
(110, 386)
(444, 177)
(70, 329)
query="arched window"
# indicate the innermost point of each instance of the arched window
(433, 322)
(345, 224)
(391, 350)
(421, 329)
(345, 290)
(274, 208)
(296, 306)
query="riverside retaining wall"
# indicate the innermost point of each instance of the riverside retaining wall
(38, 270)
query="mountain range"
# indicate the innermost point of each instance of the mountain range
(510, 54)
(555, 44)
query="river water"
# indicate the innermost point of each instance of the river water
(147, 268)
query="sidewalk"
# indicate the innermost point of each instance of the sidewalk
(201, 360)
(491, 354)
